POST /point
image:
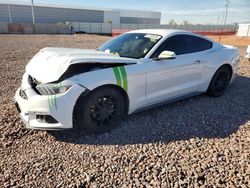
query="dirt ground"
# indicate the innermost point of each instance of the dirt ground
(197, 142)
(232, 40)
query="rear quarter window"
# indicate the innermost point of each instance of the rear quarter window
(200, 44)
(183, 44)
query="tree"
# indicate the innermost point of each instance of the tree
(186, 22)
(172, 22)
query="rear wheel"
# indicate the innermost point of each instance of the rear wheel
(219, 82)
(99, 111)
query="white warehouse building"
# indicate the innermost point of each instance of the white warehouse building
(244, 30)
(16, 12)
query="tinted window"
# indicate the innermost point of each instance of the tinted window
(183, 44)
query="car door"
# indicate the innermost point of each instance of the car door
(171, 78)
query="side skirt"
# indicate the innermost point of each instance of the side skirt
(167, 101)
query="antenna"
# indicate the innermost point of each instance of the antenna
(227, 3)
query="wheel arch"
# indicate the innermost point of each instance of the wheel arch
(120, 89)
(229, 67)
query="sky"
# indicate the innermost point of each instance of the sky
(195, 11)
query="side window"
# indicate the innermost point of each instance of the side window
(200, 44)
(183, 44)
(175, 44)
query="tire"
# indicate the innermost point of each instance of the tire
(99, 111)
(219, 82)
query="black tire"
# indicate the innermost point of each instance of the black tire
(99, 111)
(219, 82)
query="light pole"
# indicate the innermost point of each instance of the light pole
(10, 17)
(225, 19)
(32, 9)
(226, 6)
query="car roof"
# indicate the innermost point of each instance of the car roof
(166, 32)
(162, 32)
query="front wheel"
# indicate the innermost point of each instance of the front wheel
(219, 82)
(100, 111)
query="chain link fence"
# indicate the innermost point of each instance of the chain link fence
(114, 29)
(109, 29)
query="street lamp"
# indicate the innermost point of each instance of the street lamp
(10, 17)
(32, 9)
(225, 19)
(226, 6)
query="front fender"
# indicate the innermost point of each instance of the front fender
(132, 78)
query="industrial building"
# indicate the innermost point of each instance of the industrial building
(244, 30)
(16, 12)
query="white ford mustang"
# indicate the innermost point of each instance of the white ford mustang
(93, 89)
(248, 53)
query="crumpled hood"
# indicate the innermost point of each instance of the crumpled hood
(49, 64)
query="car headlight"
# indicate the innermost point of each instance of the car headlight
(52, 89)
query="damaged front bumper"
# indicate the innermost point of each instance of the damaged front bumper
(47, 111)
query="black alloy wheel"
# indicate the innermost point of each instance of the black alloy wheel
(99, 111)
(219, 82)
(104, 110)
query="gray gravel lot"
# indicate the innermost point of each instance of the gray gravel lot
(197, 142)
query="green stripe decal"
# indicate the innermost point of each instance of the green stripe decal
(52, 102)
(124, 77)
(54, 96)
(117, 76)
(121, 77)
(49, 103)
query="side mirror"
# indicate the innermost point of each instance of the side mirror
(166, 55)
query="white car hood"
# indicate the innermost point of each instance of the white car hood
(49, 64)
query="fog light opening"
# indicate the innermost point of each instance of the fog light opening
(45, 119)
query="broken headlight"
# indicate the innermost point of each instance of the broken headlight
(52, 89)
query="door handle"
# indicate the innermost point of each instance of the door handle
(197, 62)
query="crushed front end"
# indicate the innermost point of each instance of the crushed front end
(47, 106)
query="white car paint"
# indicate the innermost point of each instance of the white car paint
(148, 81)
(57, 60)
(248, 52)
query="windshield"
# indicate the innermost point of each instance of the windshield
(131, 45)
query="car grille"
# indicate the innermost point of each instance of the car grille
(23, 94)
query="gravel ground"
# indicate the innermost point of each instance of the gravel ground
(198, 142)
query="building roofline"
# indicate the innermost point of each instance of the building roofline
(11, 2)
(244, 23)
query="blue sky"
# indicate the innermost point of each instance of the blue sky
(195, 11)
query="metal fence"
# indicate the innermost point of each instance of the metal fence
(106, 28)
(91, 27)
(16, 28)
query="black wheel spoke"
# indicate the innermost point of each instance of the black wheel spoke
(104, 110)
(100, 110)
(102, 121)
(97, 105)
